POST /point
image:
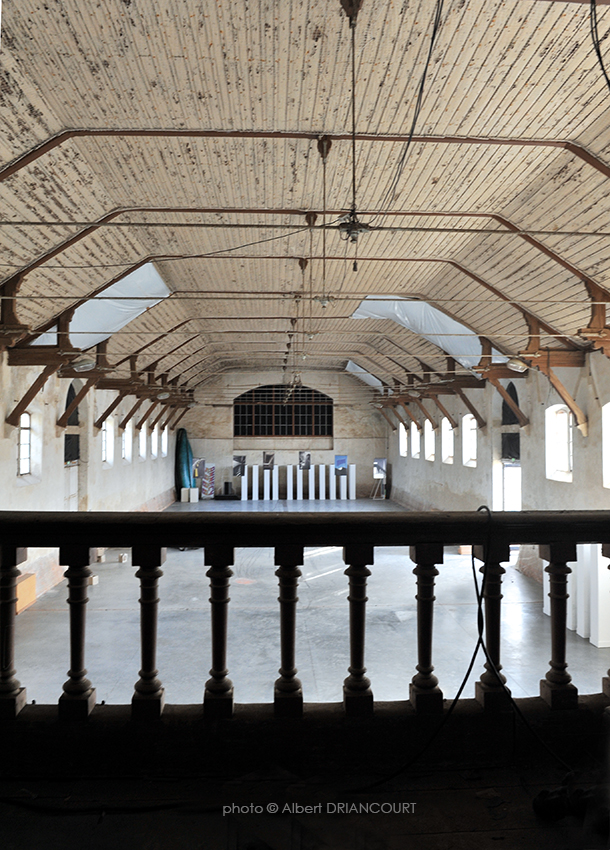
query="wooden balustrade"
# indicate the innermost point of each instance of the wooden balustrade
(427, 534)
(149, 695)
(78, 698)
(288, 693)
(218, 695)
(556, 688)
(424, 693)
(12, 695)
(491, 690)
(357, 694)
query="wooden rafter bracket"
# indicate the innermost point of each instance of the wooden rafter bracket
(554, 358)
(578, 413)
(471, 408)
(62, 422)
(386, 417)
(419, 403)
(40, 355)
(21, 407)
(445, 412)
(521, 417)
(11, 329)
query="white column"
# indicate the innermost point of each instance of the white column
(255, 483)
(267, 485)
(343, 486)
(312, 482)
(352, 480)
(289, 483)
(599, 593)
(321, 481)
(546, 588)
(299, 483)
(276, 483)
(586, 554)
(332, 482)
(244, 485)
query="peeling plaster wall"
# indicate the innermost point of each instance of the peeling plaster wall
(139, 485)
(359, 431)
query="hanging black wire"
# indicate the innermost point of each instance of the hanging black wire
(400, 166)
(595, 39)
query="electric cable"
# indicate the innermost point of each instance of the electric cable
(595, 39)
(479, 644)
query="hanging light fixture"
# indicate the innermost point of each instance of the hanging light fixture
(84, 363)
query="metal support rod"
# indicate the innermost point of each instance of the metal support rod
(12, 695)
(78, 698)
(288, 693)
(556, 688)
(149, 695)
(424, 693)
(218, 696)
(357, 694)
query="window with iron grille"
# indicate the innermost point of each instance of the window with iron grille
(283, 411)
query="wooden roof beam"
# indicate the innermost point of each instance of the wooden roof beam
(445, 412)
(523, 420)
(471, 408)
(63, 419)
(109, 410)
(143, 420)
(21, 406)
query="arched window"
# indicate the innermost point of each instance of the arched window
(282, 411)
(558, 442)
(24, 459)
(469, 440)
(415, 440)
(508, 415)
(127, 442)
(402, 440)
(447, 441)
(429, 440)
(71, 440)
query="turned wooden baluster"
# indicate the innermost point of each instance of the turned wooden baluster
(12, 695)
(149, 695)
(556, 688)
(78, 698)
(218, 696)
(357, 694)
(490, 692)
(288, 693)
(424, 693)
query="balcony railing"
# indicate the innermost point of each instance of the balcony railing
(556, 533)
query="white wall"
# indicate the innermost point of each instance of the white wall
(359, 430)
(140, 485)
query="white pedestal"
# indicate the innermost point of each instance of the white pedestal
(332, 482)
(184, 494)
(343, 486)
(299, 484)
(244, 485)
(266, 485)
(352, 480)
(321, 481)
(194, 494)
(289, 483)
(275, 477)
(255, 483)
(311, 494)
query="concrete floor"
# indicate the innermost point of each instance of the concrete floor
(322, 626)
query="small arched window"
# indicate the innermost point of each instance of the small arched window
(509, 416)
(447, 441)
(24, 459)
(71, 440)
(469, 440)
(558, 442)
(429, 440)
(415, 440)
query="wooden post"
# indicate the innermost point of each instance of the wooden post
(424, 693)
(490, 692)
(218, 696)
(149, 696)
(357, 694)
(556, 688)
(288, 693)
(78, 698)
(12, 695)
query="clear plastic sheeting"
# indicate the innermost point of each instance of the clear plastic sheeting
(365, 376)
(422, 318)
(113, 308)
